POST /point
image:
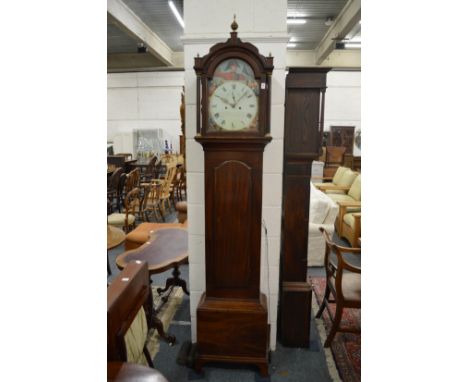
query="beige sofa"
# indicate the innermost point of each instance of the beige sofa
(322, 213)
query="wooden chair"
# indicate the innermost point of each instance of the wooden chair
(166, 184)
(334, 158)
(129, 309)
(126, 220)
(343, 282)
(149, 172)
(113, 187)
(150, 204)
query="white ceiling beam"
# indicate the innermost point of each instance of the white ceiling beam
(345, 21)
(130, 23)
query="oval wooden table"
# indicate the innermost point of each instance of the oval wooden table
(132, 372)
(165, 249)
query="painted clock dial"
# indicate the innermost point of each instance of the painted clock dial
(233, 97)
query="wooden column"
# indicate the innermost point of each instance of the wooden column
(305, 98)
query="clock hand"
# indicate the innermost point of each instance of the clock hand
(224, 100)
(242, 96)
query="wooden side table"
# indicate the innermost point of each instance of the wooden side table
(166, 248)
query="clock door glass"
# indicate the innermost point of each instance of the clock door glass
(233, 97)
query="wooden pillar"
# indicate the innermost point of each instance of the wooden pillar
(304, 110)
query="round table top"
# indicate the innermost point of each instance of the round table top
(165, 248)
(115, 236)
(132, 372)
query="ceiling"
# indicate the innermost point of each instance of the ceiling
(307, 36)
(157, 15)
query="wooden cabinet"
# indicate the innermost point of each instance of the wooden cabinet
(305, 98)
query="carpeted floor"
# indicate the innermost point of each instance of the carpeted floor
(287, 364)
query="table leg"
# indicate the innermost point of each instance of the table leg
(156, 323)
(175, 281)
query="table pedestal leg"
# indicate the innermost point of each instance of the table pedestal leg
(155, 322)
(175, 281)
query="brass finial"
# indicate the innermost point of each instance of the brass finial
(234, 25)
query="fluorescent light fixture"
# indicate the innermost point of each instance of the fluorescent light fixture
(296, 14)
(291, 45)
(356, 45)
(292, 39)
(296, 21)
(176, 14)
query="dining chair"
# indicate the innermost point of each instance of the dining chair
(343, 281)
(129, 309)
(112, 187)
(126, 220)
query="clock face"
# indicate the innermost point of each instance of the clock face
(233, 97)
(233, 106)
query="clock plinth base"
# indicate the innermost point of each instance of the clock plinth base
(234, 331)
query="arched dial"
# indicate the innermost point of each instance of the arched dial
(233, 106)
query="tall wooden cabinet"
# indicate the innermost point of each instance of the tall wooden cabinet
(304, 111)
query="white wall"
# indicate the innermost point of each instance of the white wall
(144, 100)
(343, 101)
(263, 23)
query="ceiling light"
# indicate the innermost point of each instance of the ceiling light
(296, 21)
(356, 45)
(291, 45)
(328, 21)
(296, 14)
(176, 14)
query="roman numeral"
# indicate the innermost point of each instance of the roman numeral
(249, 96)
(223, 122)
(216, 115)
(252, 105)
(233, 86)
(224, 89)
(249, 115)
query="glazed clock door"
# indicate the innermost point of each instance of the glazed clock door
(233, 97)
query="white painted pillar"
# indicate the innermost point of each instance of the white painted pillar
(263, 23)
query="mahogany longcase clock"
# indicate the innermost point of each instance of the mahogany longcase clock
(233, 125)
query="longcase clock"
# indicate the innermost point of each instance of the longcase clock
(233, 125)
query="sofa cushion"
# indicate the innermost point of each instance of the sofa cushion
(349, 219)
(344, 198)
(355, 190)
(338, 174)
(347, 178)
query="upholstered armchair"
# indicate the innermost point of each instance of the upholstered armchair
(322, 214)
(348, 221)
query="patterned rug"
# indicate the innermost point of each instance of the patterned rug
(345, 347)
(166, 315)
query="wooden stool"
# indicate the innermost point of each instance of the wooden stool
(140, 234)
(181, 208)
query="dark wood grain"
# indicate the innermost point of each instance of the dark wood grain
(305, 97)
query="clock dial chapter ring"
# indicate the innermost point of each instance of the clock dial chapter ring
(240, 114)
